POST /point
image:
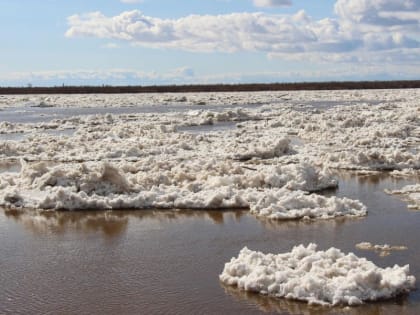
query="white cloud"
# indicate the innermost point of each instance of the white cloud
(360, 30)
(225, 33)
(272, 3)
(379, 12)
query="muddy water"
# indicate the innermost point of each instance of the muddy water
(154, 262)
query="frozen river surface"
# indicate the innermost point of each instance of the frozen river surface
(267, 171)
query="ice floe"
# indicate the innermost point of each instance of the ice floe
(383, 250)
(41, 222)
(410, 193)
(318, 277)
(283, 205)
(271, 193)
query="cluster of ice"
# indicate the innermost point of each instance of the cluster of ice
(410, 193)
(384, 250)
(138, 160)
(130, 100)
(297, 204)
(197, 99)
(319, 277)
(207, 117)
(272, 192)
(408, 172)
(366, 137)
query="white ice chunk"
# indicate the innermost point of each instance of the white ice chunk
(318, 277)
(284, 205)
(410, 193)
(263, 149)
(169, 184)
(383, 250)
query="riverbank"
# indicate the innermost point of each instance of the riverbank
(194, 88)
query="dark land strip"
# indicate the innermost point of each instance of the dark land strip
(349, 85)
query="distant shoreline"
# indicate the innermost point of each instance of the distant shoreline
(253, 87)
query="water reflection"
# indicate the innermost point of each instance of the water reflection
(316, 224)
(361, 177)
(110, 223)
(55, 222)
(362, 184)
(372, 177)
(268, 304)
(217, 217)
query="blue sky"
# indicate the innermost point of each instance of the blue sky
(54, 42)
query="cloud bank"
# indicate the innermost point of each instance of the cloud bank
(95, 77)
(360, 31)
(187, 75)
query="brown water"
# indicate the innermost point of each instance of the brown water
(155, 262)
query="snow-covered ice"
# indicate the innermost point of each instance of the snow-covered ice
(283, 205)
(142, 160)
(318, 277)
(213, 186)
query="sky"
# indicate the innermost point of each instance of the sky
(148, 42)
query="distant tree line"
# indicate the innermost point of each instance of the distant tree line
(334, 85)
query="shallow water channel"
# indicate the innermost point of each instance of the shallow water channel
(28, 114)
(161, 262)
